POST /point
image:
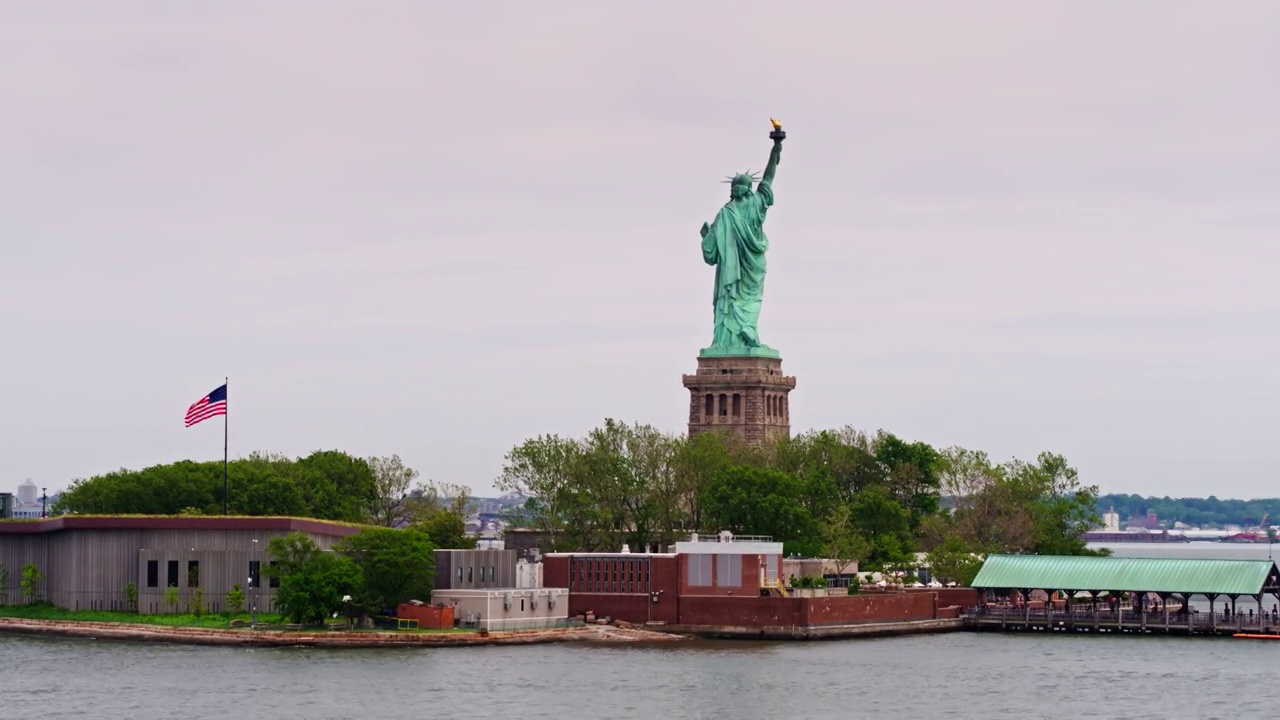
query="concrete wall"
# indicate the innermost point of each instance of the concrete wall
(507, 608)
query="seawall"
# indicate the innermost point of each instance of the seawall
(818, 632)
(358, 639)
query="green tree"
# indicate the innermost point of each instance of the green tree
(234, 600)
(447, 530)
(760, 501)
(171, 597)
(953, 561)
(131, 596)
(32, 583)
(885, 526)
(397, 566)
(1062, 509)
(548, 470)
(314, 591)
(392, 481)
(289, 553)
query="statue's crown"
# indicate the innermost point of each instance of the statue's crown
(746, 178)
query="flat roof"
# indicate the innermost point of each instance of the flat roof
(1198, 577)
(174, 522)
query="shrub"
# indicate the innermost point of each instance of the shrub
(235, 600)
(131, 596)
(4, 584)
(195, 603)
(171, 597)
(31, 580)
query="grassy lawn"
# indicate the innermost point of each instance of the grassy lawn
(44, 611)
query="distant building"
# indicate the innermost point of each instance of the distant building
(27, 502)
(491, 590)
(1111, 521)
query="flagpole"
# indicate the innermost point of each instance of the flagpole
(226, 494)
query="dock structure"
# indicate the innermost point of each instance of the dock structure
(1129, 595)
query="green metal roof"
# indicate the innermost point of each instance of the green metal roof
(1049, 572)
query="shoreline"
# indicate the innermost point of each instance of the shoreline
(138, 632)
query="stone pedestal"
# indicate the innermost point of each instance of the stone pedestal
(745, 395)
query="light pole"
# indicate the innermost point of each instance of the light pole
(346, 603)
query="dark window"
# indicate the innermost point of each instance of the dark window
(173, 574)
(737, 405)
(273, 580)
(490, 573)
(193, 573)
(153, 573)
(711, 405)
(469, 575)
(255, 573)
(724, 404)
(521, 604)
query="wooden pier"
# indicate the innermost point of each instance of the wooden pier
(1010, 619)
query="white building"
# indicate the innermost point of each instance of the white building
(26, 502)
(1111, 521)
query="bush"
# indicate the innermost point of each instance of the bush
(31, 580)
(131, 596)
(171, 597)
(235, 600)
(4, 584)
(195, 603)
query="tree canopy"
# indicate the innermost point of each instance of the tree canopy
(843, 494)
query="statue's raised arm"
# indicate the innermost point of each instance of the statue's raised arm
(775, 153)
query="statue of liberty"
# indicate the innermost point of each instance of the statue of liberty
(735, 244)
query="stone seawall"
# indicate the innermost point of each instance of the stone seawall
(818, 632)
(360, 639)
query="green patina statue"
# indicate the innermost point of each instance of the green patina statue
(735, 243)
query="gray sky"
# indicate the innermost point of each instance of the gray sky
(436, 229)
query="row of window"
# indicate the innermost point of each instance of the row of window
(471, 575)
(608, 575)
(775, 406)
(193, 574)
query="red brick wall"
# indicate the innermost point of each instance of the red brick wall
(740, 611)
(555, 572)
(428, 616)
(960, 597)
(851, 609)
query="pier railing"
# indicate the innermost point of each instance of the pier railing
(1124, 619)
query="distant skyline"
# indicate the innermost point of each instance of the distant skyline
(437, 230)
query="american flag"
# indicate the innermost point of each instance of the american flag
(211, 405)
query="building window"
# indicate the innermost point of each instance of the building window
(459, 574)
(490, 573)
(193, 573)
(724, 405)
(469, 575)
(273, 578)
(153, 573)
(771, 568)
(173, 574)
(729, 571)
(255, 573)
(737, 405)
(710, 409)
(699, 570)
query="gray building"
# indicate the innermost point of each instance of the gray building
(87, 561)
(475, 569)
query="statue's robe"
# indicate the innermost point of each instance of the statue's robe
(736, 245)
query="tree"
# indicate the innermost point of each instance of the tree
(392, 480)
(32, 582)
(235, 600)
(313, 591)
(447, 530)
(329, 485)
(289, 553)
(841, 541)
(131, 596)
(1061, 508)
(759, 501)
(397, 566)
(884, 525)
(547, 470)
(953, 561)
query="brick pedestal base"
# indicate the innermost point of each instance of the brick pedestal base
(747, 396)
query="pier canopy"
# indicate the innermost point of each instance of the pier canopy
(1142, 575)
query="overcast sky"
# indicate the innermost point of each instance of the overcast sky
(437, 229)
